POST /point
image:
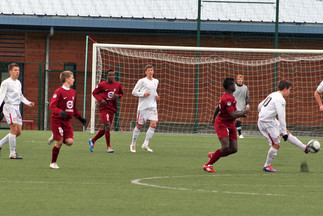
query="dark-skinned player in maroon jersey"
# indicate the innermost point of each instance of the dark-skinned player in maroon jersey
(224, 124)
(63, 106)
(107, 94)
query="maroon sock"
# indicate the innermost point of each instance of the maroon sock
(215, 156)
(98, 135)
(55, 154)
(107, 138)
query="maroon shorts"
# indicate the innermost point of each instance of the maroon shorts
(106, 116)
(226, 129)
(61, 129)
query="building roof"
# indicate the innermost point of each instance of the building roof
(165, 14)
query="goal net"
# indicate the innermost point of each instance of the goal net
(190, 84)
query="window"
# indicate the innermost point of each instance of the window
(71, 67)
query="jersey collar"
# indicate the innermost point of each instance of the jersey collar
(64, 87)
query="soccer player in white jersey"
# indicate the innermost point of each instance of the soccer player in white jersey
(146, 90)
(241, 95)
(10, 93)
(271, 128)
(318, 97)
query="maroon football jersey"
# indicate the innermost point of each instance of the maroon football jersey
(227, 104)
(106, 91)
(64, 100)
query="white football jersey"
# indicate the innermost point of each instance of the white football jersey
(274, 105)
(10, 93)
(145, 85)
(320, 87)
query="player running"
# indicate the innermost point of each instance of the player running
(146, 90)
(271, 128)
(107, 94)
(10, 93)
(224, 124)
(63, 106)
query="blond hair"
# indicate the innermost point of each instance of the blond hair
(239, 76)
(64, 75)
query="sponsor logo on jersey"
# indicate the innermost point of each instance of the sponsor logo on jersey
(69, 104)
(110, 94)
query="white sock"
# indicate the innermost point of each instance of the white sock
(4, 140)
(135, 135)
(272, 152)
(12, 144)
(149, 135)
(293, 140)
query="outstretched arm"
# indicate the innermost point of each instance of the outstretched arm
(318, 99)
(25, 101)
(136, 90)
(217, 109)
(239, 114)
(3, 91)
(96, 93)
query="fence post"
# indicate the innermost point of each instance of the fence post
(40, 96)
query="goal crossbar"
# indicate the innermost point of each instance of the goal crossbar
(209, 49)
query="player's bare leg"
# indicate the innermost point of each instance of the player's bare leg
(227, 147)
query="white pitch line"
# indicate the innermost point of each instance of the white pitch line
(139, 182)
(44, 182)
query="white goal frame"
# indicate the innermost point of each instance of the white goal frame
(96, 46)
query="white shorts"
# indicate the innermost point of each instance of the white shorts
(12, 114)
(270, 130)
(144, 115)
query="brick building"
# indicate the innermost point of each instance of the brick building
(46, 39)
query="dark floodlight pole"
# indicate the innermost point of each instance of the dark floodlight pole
(198, 23)
(276, 42)
(197, 69)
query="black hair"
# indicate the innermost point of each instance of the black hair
(227, 83)
(284, 84)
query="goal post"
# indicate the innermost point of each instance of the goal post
(190, 83)
(93, 85)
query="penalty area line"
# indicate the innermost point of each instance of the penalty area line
(139, 182)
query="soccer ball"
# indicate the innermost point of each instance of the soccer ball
(313, 146)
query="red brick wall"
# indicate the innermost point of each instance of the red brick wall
(70, 48)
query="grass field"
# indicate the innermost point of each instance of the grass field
(169, 181)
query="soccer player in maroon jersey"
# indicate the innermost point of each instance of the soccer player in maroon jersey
(224, 124)
(63, 106)
(107, 94)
